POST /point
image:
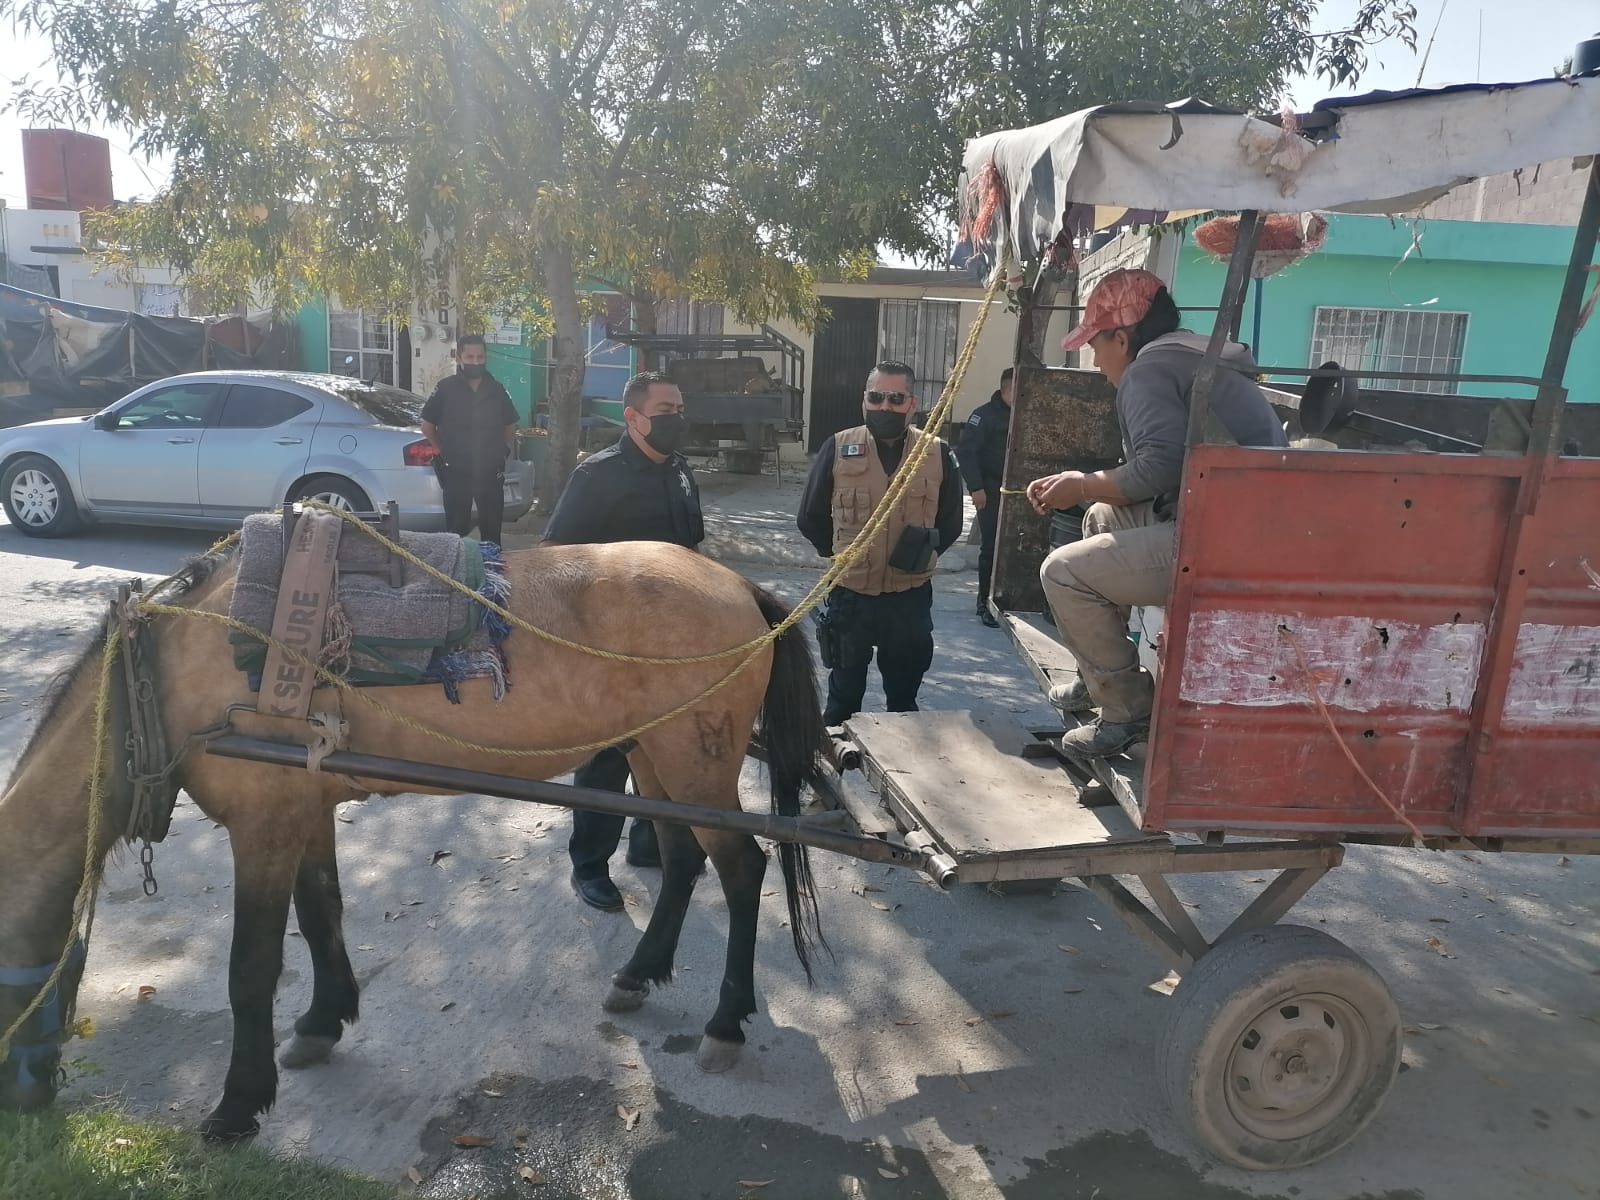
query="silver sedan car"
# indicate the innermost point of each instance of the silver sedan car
(210, 448)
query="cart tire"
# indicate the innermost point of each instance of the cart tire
(1281, 1045)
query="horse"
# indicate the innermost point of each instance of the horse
(641, 599)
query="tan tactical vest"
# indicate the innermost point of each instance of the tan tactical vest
(859, 482)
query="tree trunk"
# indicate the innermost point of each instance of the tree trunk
(1034, 321)
(567, 363)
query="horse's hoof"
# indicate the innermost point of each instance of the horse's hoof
(623, 999)
(307, 1050)
(716, 1056)
(221, 1129)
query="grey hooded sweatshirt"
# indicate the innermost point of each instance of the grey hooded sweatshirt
(1153, 412)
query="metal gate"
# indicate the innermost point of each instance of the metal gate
(847, 348)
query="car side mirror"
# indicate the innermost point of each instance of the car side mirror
(106, 421)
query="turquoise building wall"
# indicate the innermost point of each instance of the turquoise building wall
(1507, 277)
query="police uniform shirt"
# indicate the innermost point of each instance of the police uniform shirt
(471, 422)
(620, 495)
(982, 449)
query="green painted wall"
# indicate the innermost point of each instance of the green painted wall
(311, 331)
(1507, 277)
(522, 370)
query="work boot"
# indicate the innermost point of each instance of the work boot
(598, 892)
(984, 615)
(1072, 697)
(1104, 739)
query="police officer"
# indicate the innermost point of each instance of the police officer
(983, 461)
(471, 422)
(885, 600)
(640, 490)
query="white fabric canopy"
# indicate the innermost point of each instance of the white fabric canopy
(1383, 154)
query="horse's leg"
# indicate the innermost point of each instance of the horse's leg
(266, 854)
(319, 910)
(681, 860)
(740, 864)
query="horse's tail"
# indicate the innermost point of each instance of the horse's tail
(791, 733)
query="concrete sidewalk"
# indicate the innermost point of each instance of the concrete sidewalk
(750, 521)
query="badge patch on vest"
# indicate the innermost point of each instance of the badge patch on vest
(853, 450)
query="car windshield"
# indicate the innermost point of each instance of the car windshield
(384, 404)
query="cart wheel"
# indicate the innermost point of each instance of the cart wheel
(1281, 1045)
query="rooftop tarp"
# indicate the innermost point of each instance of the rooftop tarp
(1379, 153)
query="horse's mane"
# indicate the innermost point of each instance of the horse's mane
(194, 574)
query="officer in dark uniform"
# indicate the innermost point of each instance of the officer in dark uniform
(640, 490)
(982, 451)
(884, 601)
(472, 423)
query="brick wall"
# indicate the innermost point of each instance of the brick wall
(1550, 194)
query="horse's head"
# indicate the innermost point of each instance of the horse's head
(28, 1073)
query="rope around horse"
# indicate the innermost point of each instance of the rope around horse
(93, 865)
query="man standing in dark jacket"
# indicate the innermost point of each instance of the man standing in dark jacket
(472, 423)
(982, 451)
(640, 490)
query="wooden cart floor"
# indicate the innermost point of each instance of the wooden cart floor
(987, 790)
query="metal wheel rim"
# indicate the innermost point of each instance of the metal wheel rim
(333, 500)
(1296, 1065)
(35, 499)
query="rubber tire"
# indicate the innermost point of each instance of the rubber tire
(1214, 1005)
(68, 519)
(354, 496)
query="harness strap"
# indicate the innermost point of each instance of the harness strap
(51, 1017)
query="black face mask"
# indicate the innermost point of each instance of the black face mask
(885, 425)
(667, 432)
(473, 370)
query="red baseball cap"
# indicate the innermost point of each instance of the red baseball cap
(1119, 300)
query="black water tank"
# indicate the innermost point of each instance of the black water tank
(1586, 57)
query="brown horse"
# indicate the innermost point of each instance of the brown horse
(645, 599)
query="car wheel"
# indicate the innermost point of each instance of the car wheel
(332, 490)
(37, 498)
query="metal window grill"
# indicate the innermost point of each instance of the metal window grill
(1382, 339)
(922, 333)
(361, 344)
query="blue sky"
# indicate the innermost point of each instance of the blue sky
(1521, 40)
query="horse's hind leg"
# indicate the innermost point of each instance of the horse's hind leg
(267, 846)
(319, 910)
(741, 865)
(681, 861)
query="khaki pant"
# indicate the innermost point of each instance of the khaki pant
(1124, 560)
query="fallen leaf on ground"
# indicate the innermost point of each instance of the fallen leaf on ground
(1072, 991)
(630, 1116)
(755, 1183)
(1438, 947)
(974, 1020)
(961, 1082)
(122, 1141)
(472, 1141)
(1439, 920)
(447, 1006)
(1549, 1012)
(998, 1013)
(631, 1066)
(773, 892)
(414, 1175)
(861, 889)
(412, 903)
(529, 1175)
(879, 904)
(1069, 949)
(908, 1021)
(1503, 991)
(888, 1174)
(364, 947)
(492, 1094)
(438, 855)
(146, 991)
(346, 820)
(509, 858)
(1563, 861)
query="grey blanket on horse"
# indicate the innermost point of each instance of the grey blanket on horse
(393, 632)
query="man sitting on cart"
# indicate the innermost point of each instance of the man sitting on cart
(1129, 533)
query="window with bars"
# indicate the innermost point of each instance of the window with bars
(361, 344)
(923, 334)
(1384, 339)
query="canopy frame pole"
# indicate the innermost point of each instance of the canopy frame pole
(1230, 311)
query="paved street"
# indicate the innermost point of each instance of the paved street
(967, 1045)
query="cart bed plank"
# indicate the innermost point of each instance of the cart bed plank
(1051, 663)
(962, 777)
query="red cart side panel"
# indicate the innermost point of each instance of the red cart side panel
(1371, 580)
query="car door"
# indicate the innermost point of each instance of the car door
(147, 462)
(256, 448)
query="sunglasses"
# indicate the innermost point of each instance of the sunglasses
(889, 399)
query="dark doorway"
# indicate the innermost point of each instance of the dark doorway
(847, 347)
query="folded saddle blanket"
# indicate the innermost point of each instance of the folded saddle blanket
(422, 631)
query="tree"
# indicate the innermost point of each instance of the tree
(379, 149)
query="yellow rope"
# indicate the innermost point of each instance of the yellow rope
(83, 903)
